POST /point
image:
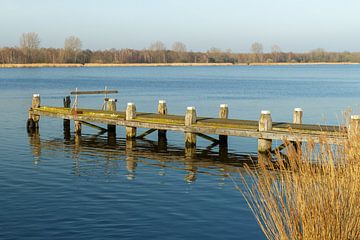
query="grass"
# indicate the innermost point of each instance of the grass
(313, 194)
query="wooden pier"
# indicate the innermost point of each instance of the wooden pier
(193, 126)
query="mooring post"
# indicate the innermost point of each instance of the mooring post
(111, 106)
(190, 119)
(298, 114)
(223, 139)
(130, 115)
(33, 120)
(297, 119)
(66, 124)
(354, 125)
(265, 124)
(162, 110)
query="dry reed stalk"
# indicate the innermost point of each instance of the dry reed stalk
(314, 194)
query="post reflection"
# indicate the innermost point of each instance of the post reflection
(95, 155)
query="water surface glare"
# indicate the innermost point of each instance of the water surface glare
(59, 186)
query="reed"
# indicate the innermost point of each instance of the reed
(313, 194)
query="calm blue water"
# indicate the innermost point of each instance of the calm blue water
(56, 187)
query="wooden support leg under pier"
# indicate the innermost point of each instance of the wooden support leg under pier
(130, 115)
(223, 139)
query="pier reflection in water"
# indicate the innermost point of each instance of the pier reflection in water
(91, 152)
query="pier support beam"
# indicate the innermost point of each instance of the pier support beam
(111, 106)
(265, 124)
(33, 120)
(190, 119)
(66, 122)
(130, 115)
(162, 110)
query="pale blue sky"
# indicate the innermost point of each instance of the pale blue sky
(294, 25)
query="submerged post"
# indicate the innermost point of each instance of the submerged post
(130, 115)
(190, 119)
(66, 124)
(162, 110)
(32, 123)
(111, 106)
(265, 124)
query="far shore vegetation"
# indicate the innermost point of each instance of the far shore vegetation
(29, 51)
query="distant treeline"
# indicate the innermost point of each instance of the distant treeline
(30, 52)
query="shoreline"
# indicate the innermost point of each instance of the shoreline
(74, 65)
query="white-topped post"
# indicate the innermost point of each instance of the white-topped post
(190, 119)
(162, 110)
(130, 115)
(297, 116)
(265, 124)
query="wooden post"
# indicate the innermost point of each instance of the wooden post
(190, 119)
(265, 124)
(297, 119)
(66, 122)
(162, 110)
(354, 126)
(298, 113)
(130, 115)
(35, 103)
(223, 139)
(77, 126)
(111, 106)
(32, 123)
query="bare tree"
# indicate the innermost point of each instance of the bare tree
(29, 44)
(257, 50)
(179, 47)
(72, 47)
(72, 43)
(275, 51)
(157, 46)
(158, 50)
(29, 40)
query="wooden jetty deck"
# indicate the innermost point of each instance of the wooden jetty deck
(192, 126)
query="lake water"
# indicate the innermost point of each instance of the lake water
(56, 187)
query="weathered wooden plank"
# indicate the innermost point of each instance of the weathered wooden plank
(207, 137)
(93, 92)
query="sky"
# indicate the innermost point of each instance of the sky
(294, 25)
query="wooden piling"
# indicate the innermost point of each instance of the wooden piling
(162, 110)
(130, 115)
(224, 114)
(66, 122)
(111, 106)
(190, 119)
(265, 124)
(297, 116)
(354, 126)
(33, 120)
(297, 119)
(77, 126)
